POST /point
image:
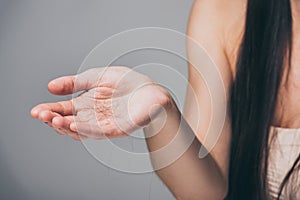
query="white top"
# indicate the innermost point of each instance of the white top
(284, 149)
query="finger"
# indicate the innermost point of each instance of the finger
(81, 127)
(96, 132)
(63, 108)
(35, 111)
(87, 129)
(60, 131)
(62, 85)
(62, 126)
(47, 116)
(62, 122)
(71, 84)
(74, 135)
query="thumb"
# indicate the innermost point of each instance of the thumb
(70, 84)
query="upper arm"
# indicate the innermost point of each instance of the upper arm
(210, 78)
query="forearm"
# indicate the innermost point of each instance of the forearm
(178, 164)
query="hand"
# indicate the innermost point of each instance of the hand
(116, 101)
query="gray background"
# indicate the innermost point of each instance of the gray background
(41, 40)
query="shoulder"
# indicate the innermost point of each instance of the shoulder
(218, 26)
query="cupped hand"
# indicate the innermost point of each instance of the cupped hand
(115, 102)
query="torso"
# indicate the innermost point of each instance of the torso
(285, 147)
(287, 113)
(288, 108)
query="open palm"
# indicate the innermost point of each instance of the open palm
(115, 102)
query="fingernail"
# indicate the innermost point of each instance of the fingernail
(34, 112)
(73, 127)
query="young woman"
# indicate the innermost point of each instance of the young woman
(255, 45)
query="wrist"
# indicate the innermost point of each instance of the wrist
(168, 113)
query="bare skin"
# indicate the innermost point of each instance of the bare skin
(101, 111)
(187, 177)
(97, 112)
(287, 113)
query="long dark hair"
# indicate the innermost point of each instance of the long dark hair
(265, 48)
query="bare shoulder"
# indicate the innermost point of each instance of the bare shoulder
(218, 25)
